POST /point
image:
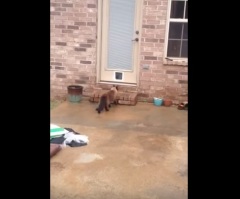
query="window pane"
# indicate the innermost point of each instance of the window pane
(184, 49)
(121, 31)
(186, 12)
(177, 9)
(185, 31)
(173, 48)
(175, 30)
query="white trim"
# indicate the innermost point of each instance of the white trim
(168, 20)
(140, 30)
(167, 30)
(177, 20)
(184, 10)
(99, 39)
(119, 69)
(118, 83)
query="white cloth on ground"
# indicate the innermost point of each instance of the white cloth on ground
(70, 136)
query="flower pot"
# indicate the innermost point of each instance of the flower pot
(74, 93)
(167, 102)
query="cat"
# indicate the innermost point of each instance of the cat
(107, 99)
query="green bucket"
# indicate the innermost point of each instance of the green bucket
(74, 93)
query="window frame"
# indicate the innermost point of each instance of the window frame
(173, 60)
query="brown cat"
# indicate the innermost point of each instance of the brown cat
(107, 99)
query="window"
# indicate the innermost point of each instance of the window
(177, 31)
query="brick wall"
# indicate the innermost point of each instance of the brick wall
(73, 44)
(159, 80)
(73, 51)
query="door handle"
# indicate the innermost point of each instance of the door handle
(136, 39)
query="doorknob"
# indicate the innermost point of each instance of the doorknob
(136, 39)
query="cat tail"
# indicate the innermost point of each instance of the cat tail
(102, 104)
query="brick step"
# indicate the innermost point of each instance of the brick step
(124, 98)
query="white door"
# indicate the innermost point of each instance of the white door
(119, 31)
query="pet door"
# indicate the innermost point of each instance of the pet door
(118, 76)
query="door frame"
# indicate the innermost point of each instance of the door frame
(100, 41)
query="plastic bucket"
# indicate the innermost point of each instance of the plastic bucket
(157, 101)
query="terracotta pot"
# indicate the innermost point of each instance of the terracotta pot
(167, 102)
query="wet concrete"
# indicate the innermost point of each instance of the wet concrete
(135, 152)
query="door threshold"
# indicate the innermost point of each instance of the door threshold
(118, 83)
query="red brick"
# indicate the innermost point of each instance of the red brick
(148, 74)
(145, 83)
(61, 43)
(148, 44)
(152, 22)
(86, 45)
(55, 4)
(56, 63)
(60, 9)
(154, 3)
(80, 23)
(67, 14)
(79, 4)
(55, 13)
(182, 81)
(157, 62)
(149, 26)
(151, 40)
(91, 24)
(67, 31)
(85, 62)
(60, 26)
(61, 76)
(151, 8)
(148, 36)
(157, 71)
(91, 5)
(183, 73)
(79, 15)
(150, 58)
(73, 27)
(67, 5)
(146, 62)
(92, 15)
(80, 49)
(161, 27)
(146, 53)
(146, 17)
(171, 72)
(59, 68)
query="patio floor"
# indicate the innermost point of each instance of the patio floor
(135, 152)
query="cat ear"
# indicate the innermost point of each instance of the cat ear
(115, 86)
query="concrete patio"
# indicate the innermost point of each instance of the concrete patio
(135, 152)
